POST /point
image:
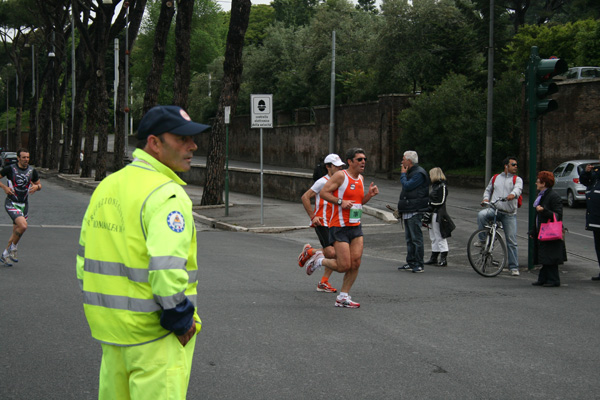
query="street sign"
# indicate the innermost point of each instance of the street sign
(227, 111)
(262, 111)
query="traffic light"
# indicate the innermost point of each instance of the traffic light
(540, 84)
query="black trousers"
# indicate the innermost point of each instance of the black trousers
(597, 243)
(549, 274)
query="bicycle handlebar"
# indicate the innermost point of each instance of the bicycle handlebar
(491, 204)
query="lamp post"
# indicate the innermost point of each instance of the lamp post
(7, 98)
(126, 94)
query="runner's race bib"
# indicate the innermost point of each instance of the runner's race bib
(355, 213)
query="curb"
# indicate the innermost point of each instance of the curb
(385, 216)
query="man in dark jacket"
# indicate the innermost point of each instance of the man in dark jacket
(591, 178)
(413, 202)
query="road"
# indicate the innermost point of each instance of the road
(444, 334)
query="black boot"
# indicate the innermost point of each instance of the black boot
(443, 261)
(433, 258)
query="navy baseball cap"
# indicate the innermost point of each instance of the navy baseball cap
(172, 119)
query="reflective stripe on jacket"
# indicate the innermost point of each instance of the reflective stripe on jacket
(137, 252)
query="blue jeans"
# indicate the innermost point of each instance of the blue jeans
(414, 241)
(509, 224)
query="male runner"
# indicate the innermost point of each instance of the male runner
(345, 189)
(319, 220)
(23, 180)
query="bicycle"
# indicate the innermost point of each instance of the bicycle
(488, 257)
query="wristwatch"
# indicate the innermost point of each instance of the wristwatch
(339, 202)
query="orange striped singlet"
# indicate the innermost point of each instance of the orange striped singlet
(350, 189)
(322, 208)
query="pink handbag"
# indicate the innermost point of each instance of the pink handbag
(551, 230)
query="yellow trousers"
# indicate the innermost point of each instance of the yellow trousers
(157, 370)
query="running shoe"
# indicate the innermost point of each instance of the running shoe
(13, 255)
(307, 252)
(4, 261)
(346, 303)
(311, 264)
(325, 287)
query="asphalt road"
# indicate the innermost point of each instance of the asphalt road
(444, 334)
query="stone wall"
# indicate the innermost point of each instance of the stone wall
(300, 138)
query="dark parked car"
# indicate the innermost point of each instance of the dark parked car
(7, 158)
(566, 181)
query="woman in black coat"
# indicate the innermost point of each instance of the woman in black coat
(548, 253)
(438, 225)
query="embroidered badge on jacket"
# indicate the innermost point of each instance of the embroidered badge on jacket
(176, 222)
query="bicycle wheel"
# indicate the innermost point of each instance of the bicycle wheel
(489, 259)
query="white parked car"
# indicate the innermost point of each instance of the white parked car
(566, 181)
(583, 73)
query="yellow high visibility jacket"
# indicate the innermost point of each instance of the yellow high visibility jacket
(137, 252)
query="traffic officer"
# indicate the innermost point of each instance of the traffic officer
(137, 264)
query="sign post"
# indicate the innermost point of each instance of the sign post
(227, 112)
(261, 116)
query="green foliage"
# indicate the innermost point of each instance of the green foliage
(294, 13)
(294, 63)
(447, 126)
(422, 43)
(261, 17)
(577, 43)
(367, 5)
(507, 116)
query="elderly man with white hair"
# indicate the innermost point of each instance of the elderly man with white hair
(413, 202)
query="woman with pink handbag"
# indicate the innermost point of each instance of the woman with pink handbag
(549, 249)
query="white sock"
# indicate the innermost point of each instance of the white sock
(319, 262)
(342, 295)
(5, 253)
(13, 246)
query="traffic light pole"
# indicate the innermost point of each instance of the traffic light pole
(531, 103)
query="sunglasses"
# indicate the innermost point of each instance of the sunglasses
(513, 164)
(361, 159)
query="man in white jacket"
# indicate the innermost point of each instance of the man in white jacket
(505, 185)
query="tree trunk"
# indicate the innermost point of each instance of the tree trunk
(183, 33)
(45, 116)
(120, 154)
(56, 122)
(158, 54)
(99, 101)
(33, 134)
(232, 68)
(81, 90)
(101, 119)
(20, 100)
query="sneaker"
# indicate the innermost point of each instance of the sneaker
(479, 244)
(325, 287)
(307, 252)
(404, 267)
(311, 264)
(346, 303)
(4, 261)
(514, 272)
(13, 255)
(418, 270)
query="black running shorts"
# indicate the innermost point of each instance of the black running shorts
(16, 210)
(344, 233)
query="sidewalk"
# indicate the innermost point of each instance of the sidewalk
(245, 213)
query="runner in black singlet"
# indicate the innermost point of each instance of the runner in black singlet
(22, 180)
